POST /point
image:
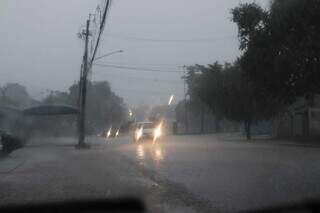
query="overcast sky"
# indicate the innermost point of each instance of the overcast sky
(39, 47)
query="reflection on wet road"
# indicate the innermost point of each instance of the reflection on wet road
(234, 176)
(140, 152)
(147, 151)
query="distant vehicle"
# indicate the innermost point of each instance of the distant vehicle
(147, 130)
(110, 133)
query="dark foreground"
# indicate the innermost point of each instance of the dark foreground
(178, 174)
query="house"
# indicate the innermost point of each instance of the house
(302, 119)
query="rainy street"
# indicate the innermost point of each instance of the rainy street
(163, 106)
(193, 173)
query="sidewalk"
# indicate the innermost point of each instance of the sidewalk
(8, 164)
(53, 170)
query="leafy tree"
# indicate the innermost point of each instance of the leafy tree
(198, 78)
(180, 112)
(229, 94)
(251, 20)
(281, 47)
(15, 95)
(281, 50)
(295, 30)
(104, 107)
(57, 97)
(239, 102)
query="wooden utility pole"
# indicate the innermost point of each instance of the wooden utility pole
(83, 91)
(86, 66)
(185, 101)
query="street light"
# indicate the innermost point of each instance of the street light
(108, 54)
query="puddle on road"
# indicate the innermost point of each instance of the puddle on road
(140, 152)
(150, 151)
(9, 165)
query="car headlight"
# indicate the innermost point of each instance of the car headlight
(139, 133)
(157, 133)
(109, 133)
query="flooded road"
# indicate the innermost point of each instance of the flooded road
(232, 176)
(175, 174)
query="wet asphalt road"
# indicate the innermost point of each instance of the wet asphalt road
(176, 174)
(232, 176)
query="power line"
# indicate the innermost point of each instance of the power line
(137, 91)
(141, 64)
(144, 39)
(140, 69)
(145, 79)
(101, 28)
(119, 63)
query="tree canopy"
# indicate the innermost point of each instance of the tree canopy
(228, 93)
(104, 107)
(281, 47)
(15, 95)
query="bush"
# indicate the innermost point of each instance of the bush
(10, 143)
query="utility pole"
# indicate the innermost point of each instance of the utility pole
(185, 100)
(83, 91)
(85, 68)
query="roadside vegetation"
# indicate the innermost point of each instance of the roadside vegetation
(104, 109)
(279, 62)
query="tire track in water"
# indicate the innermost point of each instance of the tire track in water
(173, 192)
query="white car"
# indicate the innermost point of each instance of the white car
(147, 130)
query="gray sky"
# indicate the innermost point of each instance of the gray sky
(40, 49)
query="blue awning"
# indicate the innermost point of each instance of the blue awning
(9, 111)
